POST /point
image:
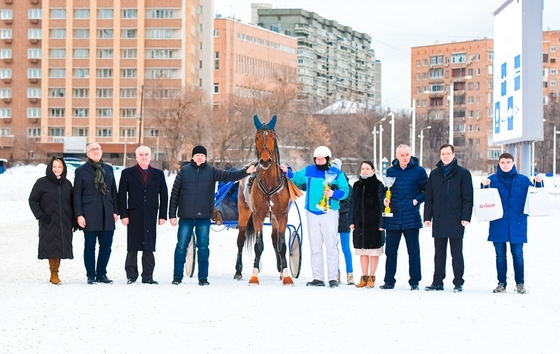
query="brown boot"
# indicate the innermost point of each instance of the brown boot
(370, 282)
(363, 281)
(54, 264)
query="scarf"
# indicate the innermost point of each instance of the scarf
(446, 169)
(99, 179)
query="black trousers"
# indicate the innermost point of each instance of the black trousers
(457, 262)
(148, 264)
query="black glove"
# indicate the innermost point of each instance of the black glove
(45, 219)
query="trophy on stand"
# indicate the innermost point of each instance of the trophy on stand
(389, 181)
(324, 203)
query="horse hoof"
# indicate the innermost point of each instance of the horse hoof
(254, 281)
(238, 277)
(287, 281)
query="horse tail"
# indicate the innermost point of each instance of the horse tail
(250, 235)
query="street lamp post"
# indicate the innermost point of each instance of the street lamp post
(380, 148)
(374, 133)
(421, 136)
(392, 135)
(413, 127)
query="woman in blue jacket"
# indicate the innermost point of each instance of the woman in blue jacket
(512, 227)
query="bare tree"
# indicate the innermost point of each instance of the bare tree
(181, 115)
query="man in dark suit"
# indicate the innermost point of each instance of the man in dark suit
(96, 209)
(142, 197)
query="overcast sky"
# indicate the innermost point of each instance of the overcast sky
(397, 25)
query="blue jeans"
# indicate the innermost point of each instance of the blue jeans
(345, 244)
(105, 242)
(186, 228)
(391, 251)
(501, 262)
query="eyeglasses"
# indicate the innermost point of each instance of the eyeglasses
(95, 149)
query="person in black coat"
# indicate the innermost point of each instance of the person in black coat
(192, 199)
(143, 204)
(51, 203)
(367, 223)
(96, 209)
(449, 203)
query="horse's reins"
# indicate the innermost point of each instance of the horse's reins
(279, 176)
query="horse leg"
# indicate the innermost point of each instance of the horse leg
(259, 247)
(239, 263)
(276, 247)
(281, 251)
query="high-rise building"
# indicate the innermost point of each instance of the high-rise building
(249, 60)
(78, 68)
(465, 70)
(334, 62)
(551, 63)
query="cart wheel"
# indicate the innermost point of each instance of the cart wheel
(191, 258)
(295, 255)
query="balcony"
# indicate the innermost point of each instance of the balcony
(34, 20)
(6, 141)
(7, 40)
(33, 40)
(7, 100)
(8, 60)
(9, 1)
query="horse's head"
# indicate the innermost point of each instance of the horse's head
(265, 142)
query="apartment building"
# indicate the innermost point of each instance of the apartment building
(551, 66)
(75, 70)
(334, 62)
(249, 60)
(465, 69)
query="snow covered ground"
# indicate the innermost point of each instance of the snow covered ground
(230, 317)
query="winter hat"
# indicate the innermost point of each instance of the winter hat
(199, 149)
(337, 163)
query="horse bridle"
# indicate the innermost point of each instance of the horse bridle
(275, 157)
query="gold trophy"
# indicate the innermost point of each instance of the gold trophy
(389, 181)
(324, 204)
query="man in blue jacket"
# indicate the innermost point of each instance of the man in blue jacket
(407, 195)
(193, 196)
(512, 227)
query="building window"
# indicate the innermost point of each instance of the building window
(425, 62)
(128, 73)
(129, 53)
(81, 112)
(5, 53)
(80, 92)
(5, 73)
(436, 87)
(5, 113)
(81, 53)
(5, 131)
(56, 131)
(128, 93)
(34, 53)
(494, 154)
(56, 112)
(58, 33)
(79, 131)
(216, 87)
(128, 112)
(5, 93)
(57, 92)
(162, 13)
(128, 33)
(153, 132)
(33, 73)
(33, 132)
(81, 33)
(33, 93)
(160, 73)
(6, 14)
(104, 73)
(58, 14)
(553, 71)
(216, 33)
(104, 112)
(57, 53)
(5, 33)
(104, 93)
(34, 33)
(81, 13)
(217, 61)
(105, 13)
(435, 60)
(552, 83)
(161, 54)
(128, 132)
(81, 73)
(458, 57)
(552, 49)
(57, 73)
(105, 33)
(104, 132)
(35, 14)
(160, 33)
(129, 13)
(105, 53)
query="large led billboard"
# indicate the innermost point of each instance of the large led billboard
(517, 86)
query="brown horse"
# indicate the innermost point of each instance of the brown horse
(261, 195)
